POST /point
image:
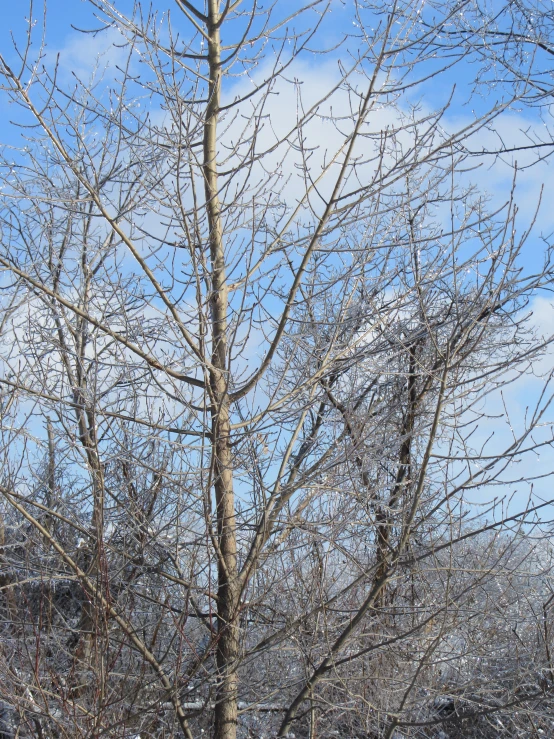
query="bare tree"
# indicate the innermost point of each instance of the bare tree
(253, 333)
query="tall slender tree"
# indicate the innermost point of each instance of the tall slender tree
(258, 310)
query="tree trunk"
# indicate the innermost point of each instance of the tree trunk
(228, 584)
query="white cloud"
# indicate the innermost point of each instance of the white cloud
(89, 56)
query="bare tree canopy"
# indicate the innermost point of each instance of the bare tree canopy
(273, 397)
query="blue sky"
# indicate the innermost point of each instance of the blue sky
(493, 176)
